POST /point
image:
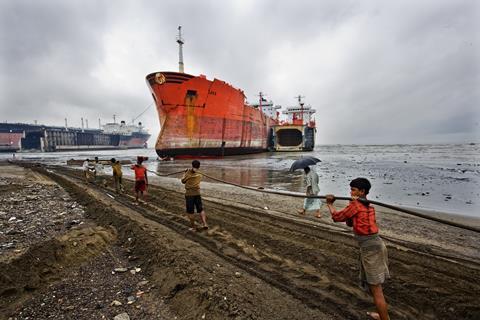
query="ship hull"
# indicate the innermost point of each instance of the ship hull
(199, 117)
(10, 140)
(26, 137)
(294, 137)
(207, 152)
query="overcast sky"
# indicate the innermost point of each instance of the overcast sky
(375, 71)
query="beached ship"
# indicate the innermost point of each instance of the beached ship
(297, 132)
(202, 117)
(35, 137)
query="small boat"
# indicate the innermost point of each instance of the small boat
(79, 162)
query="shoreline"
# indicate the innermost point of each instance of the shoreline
(301, 266)
(440, 178)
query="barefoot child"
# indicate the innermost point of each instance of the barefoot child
(373, 253)
(117, 175)
(141, 180)
(87, 169)
(193, 200)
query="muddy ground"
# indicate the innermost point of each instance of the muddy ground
(259, 260)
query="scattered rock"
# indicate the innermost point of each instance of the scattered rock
(122, 316)
(142, 283)
(116, 303)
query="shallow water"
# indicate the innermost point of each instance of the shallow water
(444, 178)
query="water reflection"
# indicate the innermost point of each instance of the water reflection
(240, 172)
(441, 177)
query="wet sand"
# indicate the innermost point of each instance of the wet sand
(297, 267)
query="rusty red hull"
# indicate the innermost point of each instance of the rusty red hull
(201, 117)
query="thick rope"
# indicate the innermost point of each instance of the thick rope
(299, 195)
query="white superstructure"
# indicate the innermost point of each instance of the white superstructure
(267, 107)
(122, 128)
(299, 112)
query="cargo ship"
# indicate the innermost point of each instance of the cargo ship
(35, 137)
(202, 117)
(297, 131)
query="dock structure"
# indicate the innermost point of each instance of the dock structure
(61, 139)
(33, 137)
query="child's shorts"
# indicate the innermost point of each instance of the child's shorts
(192, 203)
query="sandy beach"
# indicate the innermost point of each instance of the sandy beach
(71, 250)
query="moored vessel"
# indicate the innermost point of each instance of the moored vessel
(297, 132)
(37, 137)
(202, 117)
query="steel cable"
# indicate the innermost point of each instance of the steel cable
(298, 195)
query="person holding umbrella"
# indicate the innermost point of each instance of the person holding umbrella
(311, 204)
(311, 181)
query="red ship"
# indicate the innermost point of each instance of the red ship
(201, 117)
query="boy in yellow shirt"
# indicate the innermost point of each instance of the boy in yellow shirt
(193, 200)
(117, 175)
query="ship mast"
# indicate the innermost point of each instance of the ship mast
(180, 49)
(300, 103)
(261, 95)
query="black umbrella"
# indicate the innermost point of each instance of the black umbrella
(304, 162)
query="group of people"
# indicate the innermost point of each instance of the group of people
(359, 215)
(191, 179)
(97, 172)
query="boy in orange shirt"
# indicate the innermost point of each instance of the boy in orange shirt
(141, 180)
(360, 215)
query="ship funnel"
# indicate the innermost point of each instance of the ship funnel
(180, 49)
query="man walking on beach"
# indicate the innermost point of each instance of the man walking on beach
(193, 200)
(99, 173)
(86, 169)
(373, 253)
(141, 180)
(117, 175)
(311, 204)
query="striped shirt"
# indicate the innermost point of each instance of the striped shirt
(362, 216)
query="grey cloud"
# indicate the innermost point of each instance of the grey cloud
(396, 71)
